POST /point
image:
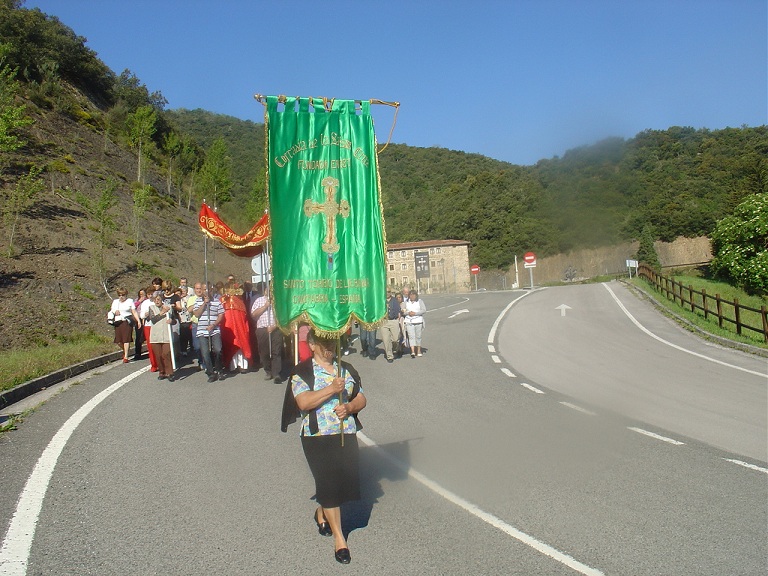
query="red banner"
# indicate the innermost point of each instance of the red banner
(247, 245)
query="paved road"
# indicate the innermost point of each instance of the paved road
(518, 456)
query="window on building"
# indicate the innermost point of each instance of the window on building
(403, 266)
(405, 280)
(403, 253)
(391, 267)
(392, 280)
(391, 254)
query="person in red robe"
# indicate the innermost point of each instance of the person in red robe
(235, 331)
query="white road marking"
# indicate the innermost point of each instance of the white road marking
(657, 436)
(578, 408)
(491, 348)
(531, 388)
(448, 305)
(508, 372)
(492, 333)
(14, 554)
(462, 311)
(496, 359)
(747, 465)
(652, 335)
(494, 521)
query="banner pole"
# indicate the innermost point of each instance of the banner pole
(205, 255)
(173, 352)
(338, 375)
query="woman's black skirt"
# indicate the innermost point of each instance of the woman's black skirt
(335, 469)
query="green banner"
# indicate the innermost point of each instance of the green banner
(328, 245)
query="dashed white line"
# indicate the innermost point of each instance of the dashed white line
(491, 349)
(578, 408)
(531, 388)
(508, 372)
(14, 554)
(494, 521)
(747, 465)
(656, 436)
(496, 359)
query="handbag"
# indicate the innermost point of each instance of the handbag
(112, 321)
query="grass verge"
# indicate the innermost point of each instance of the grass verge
(19, 366)
(727, 292)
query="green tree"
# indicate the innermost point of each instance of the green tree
(101, 213)
(188, 163)
(142, 197)
(740, 245)
(215, 179)
(172, 146)
(13, 117)
(646, 252)
(21, 197)
(141, 128)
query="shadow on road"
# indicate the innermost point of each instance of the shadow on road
(374, 469)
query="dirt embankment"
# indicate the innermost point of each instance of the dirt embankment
(51, 285)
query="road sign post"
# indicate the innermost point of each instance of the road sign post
(529, 261)
(475, 270)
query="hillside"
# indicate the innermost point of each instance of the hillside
(117, 180)
(51, 285)
(678, 182)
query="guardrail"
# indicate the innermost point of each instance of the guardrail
(706, 303)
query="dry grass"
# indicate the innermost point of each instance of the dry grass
(19, 366)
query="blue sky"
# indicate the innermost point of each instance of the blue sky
(516, 80)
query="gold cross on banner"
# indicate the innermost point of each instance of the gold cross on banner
(331, 209)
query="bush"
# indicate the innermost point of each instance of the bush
(740, 246)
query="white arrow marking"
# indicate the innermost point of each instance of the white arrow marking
(457, 313)
(563, 308)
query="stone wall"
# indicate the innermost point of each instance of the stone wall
(598, 261)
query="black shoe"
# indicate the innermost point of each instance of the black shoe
(278, 380)
(342, 555)
(267, 376)
(323, 528)
(390, 360)
(171, 378)
(162, 377)
(364, 353)
(212, 377)
(221, 375)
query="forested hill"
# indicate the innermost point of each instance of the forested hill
(662, 183)
(674, 182)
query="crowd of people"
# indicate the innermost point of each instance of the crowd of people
(228, 328)
(217, 327)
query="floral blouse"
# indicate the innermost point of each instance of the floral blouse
(327, 421)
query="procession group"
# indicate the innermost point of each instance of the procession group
(228, 328)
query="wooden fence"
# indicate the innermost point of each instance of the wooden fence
(701, 302)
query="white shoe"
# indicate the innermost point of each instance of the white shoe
(419, 354)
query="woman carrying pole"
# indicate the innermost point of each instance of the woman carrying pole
(328, 401)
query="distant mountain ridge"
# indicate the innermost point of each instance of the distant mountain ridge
(678, 181)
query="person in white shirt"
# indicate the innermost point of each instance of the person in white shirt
(123, 317)
(414, 321)
(269, 338)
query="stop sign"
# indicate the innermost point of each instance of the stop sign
(475, 269)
